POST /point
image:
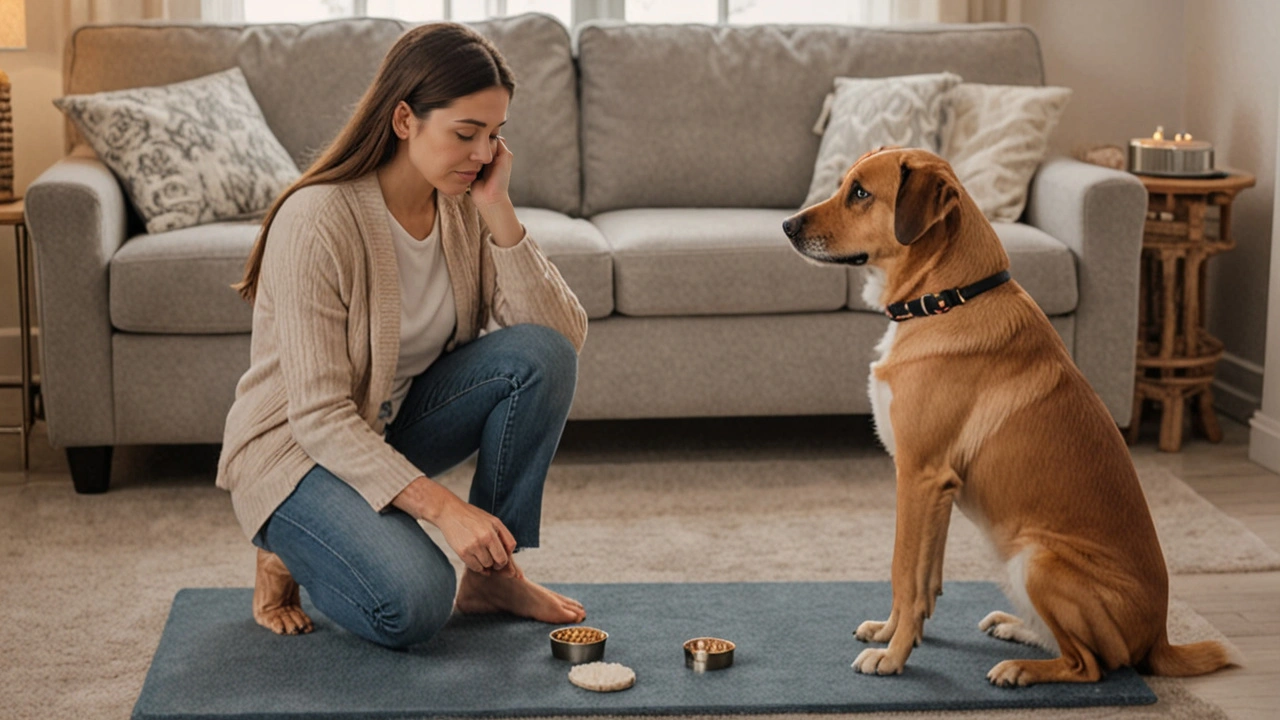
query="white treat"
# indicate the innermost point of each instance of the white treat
(602, 676)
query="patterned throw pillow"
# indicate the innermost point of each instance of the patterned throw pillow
(188, 153)
(866, 113)
(995, 136)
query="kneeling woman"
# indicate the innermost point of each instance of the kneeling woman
(402, 320)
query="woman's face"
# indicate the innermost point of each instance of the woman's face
(452, 144)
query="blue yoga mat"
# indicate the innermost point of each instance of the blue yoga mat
(795, 646)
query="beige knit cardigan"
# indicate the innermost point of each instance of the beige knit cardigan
(326, 340)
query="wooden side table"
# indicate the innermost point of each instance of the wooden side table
(1177, 358)
(13, 214)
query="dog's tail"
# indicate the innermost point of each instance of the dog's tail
(1187, 660)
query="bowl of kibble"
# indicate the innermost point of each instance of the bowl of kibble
(578, 644)
(708, 653)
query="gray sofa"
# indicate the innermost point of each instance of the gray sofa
(654, 165)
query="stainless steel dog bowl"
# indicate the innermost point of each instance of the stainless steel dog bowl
(708, 653)
(578, 644)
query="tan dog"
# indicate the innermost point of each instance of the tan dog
(983, 407)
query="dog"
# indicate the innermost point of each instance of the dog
(980, 404)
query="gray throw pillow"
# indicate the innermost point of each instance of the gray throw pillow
(188, 153)
(866, 113)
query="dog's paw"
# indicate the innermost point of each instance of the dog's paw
(1009, 673)
(285, 620)
(877, 661)
(874, 632)
(1007, 627)
(995, 619)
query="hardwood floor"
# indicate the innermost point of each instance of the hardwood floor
(1244, 606)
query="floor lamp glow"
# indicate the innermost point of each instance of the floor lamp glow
(13, 36)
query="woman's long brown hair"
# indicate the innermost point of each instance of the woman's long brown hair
(429, 67)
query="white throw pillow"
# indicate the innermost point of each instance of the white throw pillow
(188, 153)
(995, 136)
(866, 113)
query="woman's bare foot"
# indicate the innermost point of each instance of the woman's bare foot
(277, 606)
(514, 593)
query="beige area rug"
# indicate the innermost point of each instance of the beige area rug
(86, 582)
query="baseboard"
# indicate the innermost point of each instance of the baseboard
(11, 353)
(1264, 441)
(1237, 387)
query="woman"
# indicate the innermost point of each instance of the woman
(402, 321)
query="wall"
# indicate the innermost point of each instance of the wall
(1122, 60)
(1264, 435)
(36, 77)
(1233, 71)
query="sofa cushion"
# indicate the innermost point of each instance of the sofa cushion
(306, 97)
(180, 281)
(1041, 264)
(542, 125)
(698, 261)
(579, 252)
(734, 127)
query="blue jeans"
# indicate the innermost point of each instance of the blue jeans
(378, 575)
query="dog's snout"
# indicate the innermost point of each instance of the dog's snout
(791, 226)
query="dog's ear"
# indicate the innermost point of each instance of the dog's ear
(925, 197)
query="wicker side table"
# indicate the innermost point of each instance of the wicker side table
(12, 214)
(1177, 358)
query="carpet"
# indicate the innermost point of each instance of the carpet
(794, 647)
(806, 520)
(86, 582)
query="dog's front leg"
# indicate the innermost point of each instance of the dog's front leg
(934, 589)
(924, 513)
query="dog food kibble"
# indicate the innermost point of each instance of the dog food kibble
(578, 635)
(710, 646)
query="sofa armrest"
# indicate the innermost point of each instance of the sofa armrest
(77, 216)
(1099, 214)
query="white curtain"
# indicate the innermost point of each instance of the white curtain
(958, 11)
(81, 12)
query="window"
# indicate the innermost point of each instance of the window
(411, 10)
(672, 11)
(257, 11)
(269, 11)
(747, 12)
(738, 12)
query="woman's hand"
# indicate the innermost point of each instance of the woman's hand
(491, 187)
(489, 193)
(481, 541)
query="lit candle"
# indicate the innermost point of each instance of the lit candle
(1183, 155)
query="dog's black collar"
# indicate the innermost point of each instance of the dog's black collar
(939, 303)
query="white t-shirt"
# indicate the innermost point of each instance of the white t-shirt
(428, 313)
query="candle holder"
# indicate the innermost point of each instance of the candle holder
(1183, 156)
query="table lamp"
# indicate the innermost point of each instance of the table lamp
(13, 36)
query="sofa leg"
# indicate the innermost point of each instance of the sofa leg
(90, 468)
